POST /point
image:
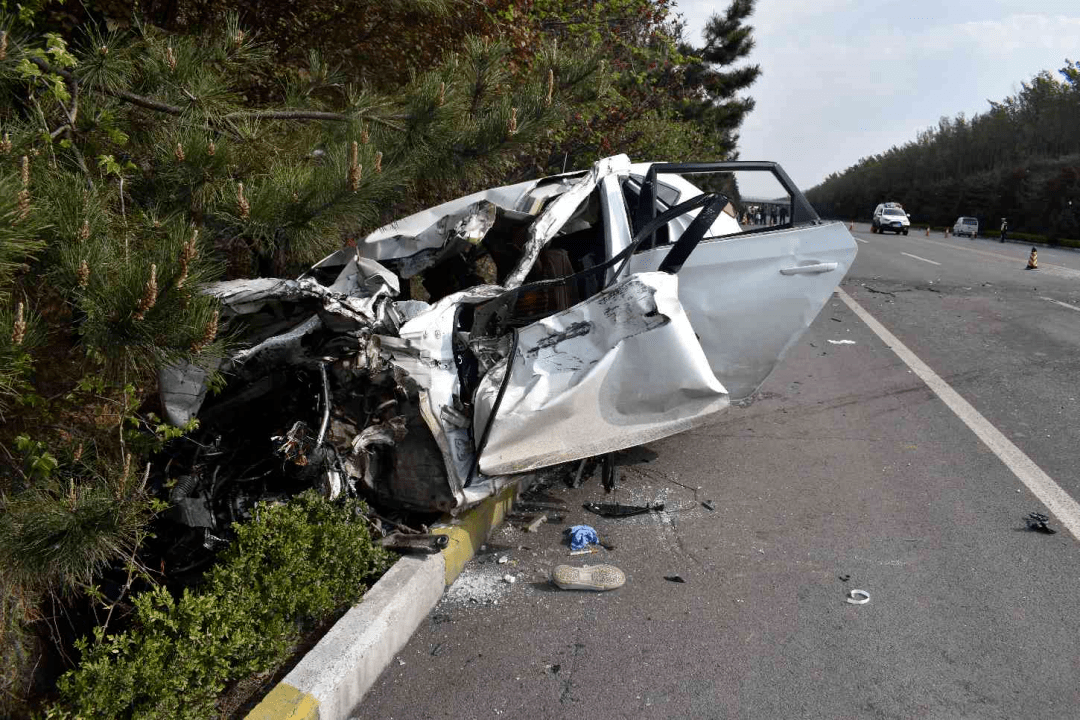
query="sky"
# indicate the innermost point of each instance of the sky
(845, 79)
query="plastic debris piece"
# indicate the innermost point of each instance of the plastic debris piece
(588, 577)
(535, 524)
(586, 551)
(1038, 523)
(674, 578)
(841, 342)
(845, 578)
(708, 504)
(508, 578)
(582, 535)
(503, 560)
(618, 510)
(857, 597)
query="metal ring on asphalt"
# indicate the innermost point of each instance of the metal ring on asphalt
(858, 597)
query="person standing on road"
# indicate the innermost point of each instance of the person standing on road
(1004, 228)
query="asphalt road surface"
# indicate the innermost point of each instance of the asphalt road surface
(849, 471)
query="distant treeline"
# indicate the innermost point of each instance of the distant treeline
(1020, 160)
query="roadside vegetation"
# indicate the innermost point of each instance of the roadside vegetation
(148, 148)
(1019, 160)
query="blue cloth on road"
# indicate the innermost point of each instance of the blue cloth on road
(582, 535)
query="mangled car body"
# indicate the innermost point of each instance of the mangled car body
(518, 328)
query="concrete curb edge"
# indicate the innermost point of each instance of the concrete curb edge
(330, 680)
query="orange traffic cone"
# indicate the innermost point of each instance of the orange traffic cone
(1033, 260)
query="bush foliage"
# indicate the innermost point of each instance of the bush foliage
(293, 566)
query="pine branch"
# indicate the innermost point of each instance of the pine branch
(151, 104)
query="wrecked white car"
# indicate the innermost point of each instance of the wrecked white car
(510, 330)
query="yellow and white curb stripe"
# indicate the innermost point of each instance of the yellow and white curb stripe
(333, 676)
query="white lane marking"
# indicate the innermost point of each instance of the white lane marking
(1038, 482)
(919, 258)
(864, 242)
(1058, 302)
(1057, 269)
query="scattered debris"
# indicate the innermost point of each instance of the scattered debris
(579, 475)
(708, 504)
(535, 524)
(477, 585)
(503, 560)
(586, 551)
(508, 578)
(415, 543)
(845, 578)
(529, 517)
(581, 536)
(857, 597)
(533, 506)
(841, 342)
(1037, 522)
(618, 510)
(674, 578)
(588, 577)
(880, 292)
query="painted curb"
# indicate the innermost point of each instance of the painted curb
(331, 679)
(468, 532)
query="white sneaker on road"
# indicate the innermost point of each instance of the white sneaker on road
(589, 577)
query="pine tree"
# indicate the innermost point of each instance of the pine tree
(713, 81)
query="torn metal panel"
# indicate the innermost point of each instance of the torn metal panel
(469, 231)
(361, 292)
(620, 369)
(242, 297)
(182, 388)
(431, 229)
(425, 350)
(555, 216)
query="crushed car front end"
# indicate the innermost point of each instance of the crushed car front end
(513, 329)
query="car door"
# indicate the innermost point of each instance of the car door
(750, 296)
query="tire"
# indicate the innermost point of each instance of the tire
(905, 232)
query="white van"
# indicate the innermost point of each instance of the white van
(966, 226)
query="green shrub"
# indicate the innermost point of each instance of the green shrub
(294, 564)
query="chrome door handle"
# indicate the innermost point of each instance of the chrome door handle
(810, 269)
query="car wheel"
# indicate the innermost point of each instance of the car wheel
(905, 232)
